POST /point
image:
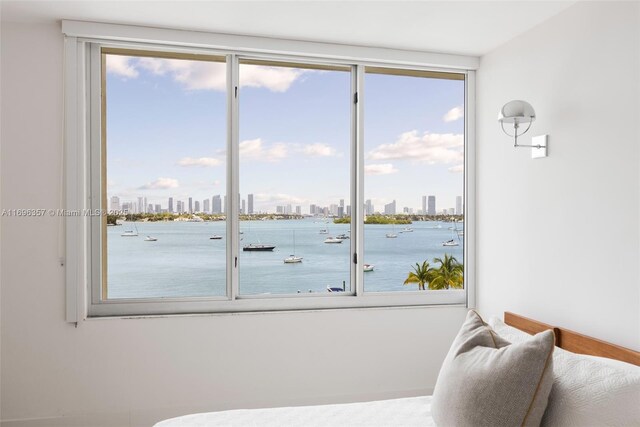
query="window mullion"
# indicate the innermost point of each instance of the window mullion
(357, 216)
(233, 181)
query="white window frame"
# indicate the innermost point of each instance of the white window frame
(82, 156)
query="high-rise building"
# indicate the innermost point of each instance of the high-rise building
(451, 211)
(170, 205)
(224, 204)
(348, 210)
(342, 203)
(115, 203)
(424, 205)
(459, 205)
(149, 208)
(312, 209)
(190, 205)
(140, 205)
(216, 204)
(205, 206)
(279, 209)
(431, 206)
(179, 207)
(158, 208)
(298, 210)
(127, 207)
(368, 207)
(196, 206)
(243, 207)
(340, 211)
(333, 209)
(250, 204)
(390, 208)
(145, 205)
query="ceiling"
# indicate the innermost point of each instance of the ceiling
(462, 27)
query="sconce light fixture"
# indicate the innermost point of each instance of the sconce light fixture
(517, 114)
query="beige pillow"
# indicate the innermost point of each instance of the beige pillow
(486, 381)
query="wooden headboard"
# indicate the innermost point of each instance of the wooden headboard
(573, 341)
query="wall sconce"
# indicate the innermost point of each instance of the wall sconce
(522, 113)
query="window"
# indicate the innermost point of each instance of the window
(414, 182)
(236, 181)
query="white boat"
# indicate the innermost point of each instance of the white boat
(407, 230)
(215, 237)
(368, 267)
(130, 233)
(391, 235)
(332, 240)
(324, 231)
(342, 237)
(293, 259)
(150, 239)
(450, 243)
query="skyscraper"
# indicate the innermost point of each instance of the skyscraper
(190, 205)
(158, 208)
(250, 204)
(298, 210)
(431, 208)
(224, 204)
(216, 204)
(424, 205)
(145, 206)
(390, 208)
(115, 203)
(170, 205)
(205, 205)
(243, 206)
(196, 207)
(179, 207)
(312, 209)
(459, 205)
(368, 207)
(140, 205)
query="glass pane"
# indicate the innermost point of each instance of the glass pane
(414, 180)
(165, 175)
(294, 178)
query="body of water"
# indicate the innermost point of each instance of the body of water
(185, 262)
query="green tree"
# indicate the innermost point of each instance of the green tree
(449, 275)
(421, 275)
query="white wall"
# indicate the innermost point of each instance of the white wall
(133, 372)
(558, 238)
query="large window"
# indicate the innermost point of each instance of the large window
(243, 182)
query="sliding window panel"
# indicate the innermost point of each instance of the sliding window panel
(414, 139)
(295, 175)
(164, 168)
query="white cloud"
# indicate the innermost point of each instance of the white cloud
(204, 75)
(456, 169)
(160, 184)
(200, 161)
(319, 150)
(380, 169)
(256, 149)
(193, 75)
(276, 79)
(121, 66)
(428, 148)
(454, 114)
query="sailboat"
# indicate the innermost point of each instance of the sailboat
(368, 267)
(150, 239)
(452, 242)
(293, 259)
(393, 234)
(130, 233)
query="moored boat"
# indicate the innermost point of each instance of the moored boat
(258, 247)
(368, 267)
(332, 240)
(215, 237)
(150, 239)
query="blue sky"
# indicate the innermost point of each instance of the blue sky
(166, 134)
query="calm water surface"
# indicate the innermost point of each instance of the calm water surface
(185, 262)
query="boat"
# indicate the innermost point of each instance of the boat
(293, 259)
(342, 237)
(393, 234)
(332, 240)
(324, 231)
(258, 247)
(407, 230)
(334, 289)
(130, 233)
(368, 267)
(450, 243)
(150, 239)
(215, 237)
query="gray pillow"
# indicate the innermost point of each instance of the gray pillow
(486, 381)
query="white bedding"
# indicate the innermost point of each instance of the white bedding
(413, 411)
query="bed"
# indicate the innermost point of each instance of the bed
(615, 384)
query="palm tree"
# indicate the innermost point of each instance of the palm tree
(449, 275)
(422, 274)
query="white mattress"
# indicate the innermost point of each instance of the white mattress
(413, 411)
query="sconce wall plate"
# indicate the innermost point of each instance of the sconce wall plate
(539, 146)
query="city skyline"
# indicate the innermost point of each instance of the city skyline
(166, 134)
